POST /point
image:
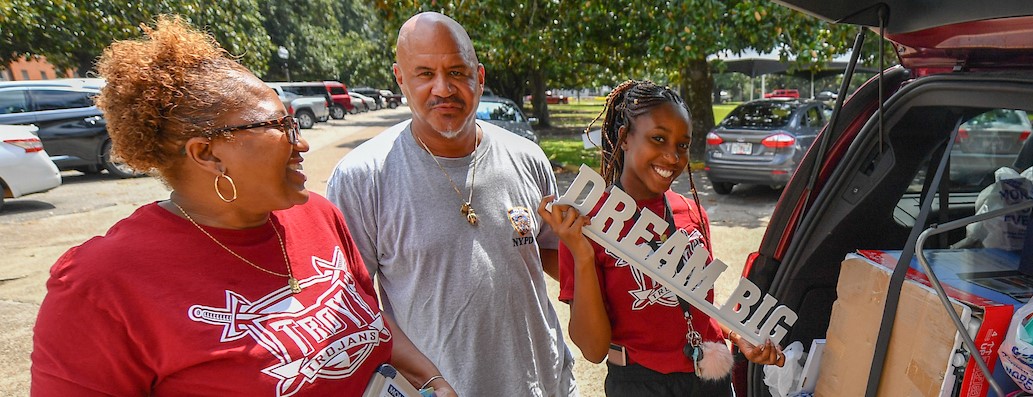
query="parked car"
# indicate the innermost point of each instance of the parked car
(74, 82)
(392, 99)
(72, 129)
(366, 105)
(550, 98)
(506, 114)
(783, 93)
(25, 167)
(307, 109)
(340, 100)
(862, 184)
(315, 90)
(378, 99)
(987, 142)
(761, 142)
(826, 96)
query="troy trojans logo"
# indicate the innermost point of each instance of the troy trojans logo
(520, 217)
(328, 337)
(650, 292)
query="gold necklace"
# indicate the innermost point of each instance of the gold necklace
(467, 208)
(291, 281)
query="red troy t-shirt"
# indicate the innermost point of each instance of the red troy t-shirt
(155, 307)
(645, 316)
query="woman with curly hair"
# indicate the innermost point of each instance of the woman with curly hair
(242, 282)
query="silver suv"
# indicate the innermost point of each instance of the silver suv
(307, 109)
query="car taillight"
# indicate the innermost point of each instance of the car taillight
(30, 145)
(290, 110)
(962, 135)
(1023, 136)
(713, 139)
(778, 140)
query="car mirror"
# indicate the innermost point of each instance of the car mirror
(532, 120)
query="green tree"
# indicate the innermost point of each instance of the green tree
(683, 34)
(328, 40)
(528, 46)
(72, 34)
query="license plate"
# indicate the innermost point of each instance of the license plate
(741, 148)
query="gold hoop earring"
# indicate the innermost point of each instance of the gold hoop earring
(219, 192)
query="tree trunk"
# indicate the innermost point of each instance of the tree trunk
(507, 84)
(697, 87)
(541, 108)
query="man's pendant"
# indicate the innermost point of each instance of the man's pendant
(471, 216)
(293, 283)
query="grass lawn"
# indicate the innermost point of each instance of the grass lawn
(562, 143)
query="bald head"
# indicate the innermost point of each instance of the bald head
(433, 30)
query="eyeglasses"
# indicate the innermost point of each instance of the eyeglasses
(287, 124)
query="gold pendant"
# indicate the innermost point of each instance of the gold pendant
(465, 209)
(293, 283)
(471, 217)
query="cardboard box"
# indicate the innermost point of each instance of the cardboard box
(924, 342)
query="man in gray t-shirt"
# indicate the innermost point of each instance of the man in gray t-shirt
(443, 211)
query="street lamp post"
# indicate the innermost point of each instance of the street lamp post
(284, 55)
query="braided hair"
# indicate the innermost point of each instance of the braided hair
(629, 100)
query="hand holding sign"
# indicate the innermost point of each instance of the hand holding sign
(756, 317)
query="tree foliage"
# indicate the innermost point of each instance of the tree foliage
(530, 46)
(327, 39)
(72, 34)
(527, 47)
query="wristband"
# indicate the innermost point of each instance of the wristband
(432, 378)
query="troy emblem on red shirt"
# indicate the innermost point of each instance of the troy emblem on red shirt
(650, 292)
(326, 336)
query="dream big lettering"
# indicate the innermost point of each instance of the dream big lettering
(751, 314)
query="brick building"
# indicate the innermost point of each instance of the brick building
(32, 68)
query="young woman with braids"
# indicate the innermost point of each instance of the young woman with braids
(656, 344)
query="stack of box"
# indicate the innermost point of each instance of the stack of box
(923, 357)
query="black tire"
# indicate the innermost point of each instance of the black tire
(116, 168)
(723, 187)
(305, 119)
(337, 112)
(392, 104)
(1, 201)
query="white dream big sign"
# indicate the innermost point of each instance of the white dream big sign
(693, 280)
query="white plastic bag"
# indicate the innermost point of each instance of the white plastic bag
(1003, 232)
(1017, 350)
(782, 381)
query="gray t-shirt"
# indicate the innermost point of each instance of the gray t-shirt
(472, 298)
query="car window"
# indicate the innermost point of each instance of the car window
(60, 99)
(337, 91)
(498, 111)
(986, 142)
(813, 118)
(760, 115)
(13, 102)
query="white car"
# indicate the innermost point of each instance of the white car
(24, 166)
(367, 103)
